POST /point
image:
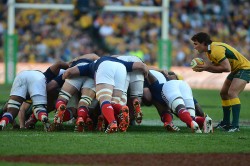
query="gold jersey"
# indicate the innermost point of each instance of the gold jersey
(219, 51)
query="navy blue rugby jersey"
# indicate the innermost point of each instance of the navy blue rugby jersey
(156, 91)
(59, 80)
(74, 63)
(49, 75)
(90, 69)
(128, 65)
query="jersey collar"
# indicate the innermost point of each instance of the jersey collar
(209, 48)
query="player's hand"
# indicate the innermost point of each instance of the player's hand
(200, 68)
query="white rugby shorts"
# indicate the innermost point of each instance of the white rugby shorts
(30, 82)
(112, 73)
(178, 88)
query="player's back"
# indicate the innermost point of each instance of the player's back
(236, 59)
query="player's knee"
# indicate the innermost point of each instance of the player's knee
(14, 104)
(116, 100)
(65, 95)
(191, 111)
(104, 94)
(177, 104)
(85, 100)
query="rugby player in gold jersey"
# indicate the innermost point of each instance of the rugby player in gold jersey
(225, 58)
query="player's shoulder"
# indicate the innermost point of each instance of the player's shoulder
(218, 47)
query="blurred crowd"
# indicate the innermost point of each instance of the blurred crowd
(49, 35)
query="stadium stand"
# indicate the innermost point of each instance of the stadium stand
(48, 35)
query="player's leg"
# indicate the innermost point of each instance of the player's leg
(104, 89)
(226, 106)
(69, 88)
(13, 107)
(236, 87)
(38, 94)
(136, 93)
(83, 114)
(203, 122)
(18, 93)
(104, 95)
(122, 112)
(173, 97)
(147, 97)
(25, 107)
(198, 110)
(166, 116)
(40, 111)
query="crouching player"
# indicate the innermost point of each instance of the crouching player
(30, 82)
(110, 76)
(134, 87)
(178, 96)
(86, 86)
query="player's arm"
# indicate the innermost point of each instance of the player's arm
(151, 78)
(141, 66)
(21, 114)
(223, 66)
(71, 72)
(55, 68)
(91, 56)
(163, 71)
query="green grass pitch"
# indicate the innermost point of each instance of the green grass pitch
(149, 137)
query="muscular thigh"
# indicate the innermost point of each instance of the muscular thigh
(236, 87)
(225, 88)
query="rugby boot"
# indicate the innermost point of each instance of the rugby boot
(89, 125)
(58, 119)
(137, 111)
(79, 124)
(171, 127)
(46, 124)
(234, 129)
(223, 126)
(31, 122)
(100, 123)
(207, 125)
(112, 127)
(123, 119)
(195, 127)
(2, 124)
